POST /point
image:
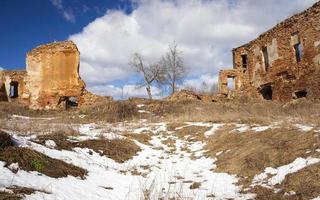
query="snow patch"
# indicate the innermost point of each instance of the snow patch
(162, 173)
(212, 131)
(280, 173)
(50, 143)
(304, 128)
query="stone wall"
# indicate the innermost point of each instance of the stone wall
(284, 60)
(51, 80)
(15, 81)
(224, 75)
(53, 75)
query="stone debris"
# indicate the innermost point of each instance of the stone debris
(189, 95)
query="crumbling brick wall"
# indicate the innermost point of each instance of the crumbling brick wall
(51, 80)
(224, 75)
(12, 85)
(284, 60)
(53, 75)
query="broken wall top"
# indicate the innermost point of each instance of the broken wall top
(286, 22)
(53, 74)
(64, 46)
(13, 72)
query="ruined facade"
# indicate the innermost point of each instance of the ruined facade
(282, 63)
(12, 85)
(51, 79)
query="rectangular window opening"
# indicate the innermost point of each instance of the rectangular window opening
(298, 52)
(266, 58)
(244, 61)
(300, 94)
(230, 83)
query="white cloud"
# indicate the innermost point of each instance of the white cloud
(57, 3)
(69, 16)
(1, 68)
(203, 83)
(206, 31)
(66, 13)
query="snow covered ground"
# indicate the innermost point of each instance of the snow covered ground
(161, 172)
(156, 172)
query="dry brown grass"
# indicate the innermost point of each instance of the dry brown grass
(250, 153)
(306, 182)
(192, 133)
(115, 111)
(60, 139)
(268, 194)
(30, 160)
(14, 108)
(260, 112)
(143, 138)
(170, 142)
(5, 140)
(120, 150)
(173, 125)
(195, 185)
(17, 193)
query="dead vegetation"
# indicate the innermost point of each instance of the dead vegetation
(15, 108)
(115, 111)
(242, 111)
(174, 125)
(120, 150)
(237, 110)
(195, 185)
(61, 140)
(249, 153)
(17, 193)
(305, 183)
(143, 138)
(30, 160)
(192, 133)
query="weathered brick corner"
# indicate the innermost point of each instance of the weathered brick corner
(282, 63)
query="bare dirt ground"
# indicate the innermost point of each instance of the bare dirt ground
(142, 149)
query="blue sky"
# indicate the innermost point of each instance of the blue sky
(26, 24)
(108, 32)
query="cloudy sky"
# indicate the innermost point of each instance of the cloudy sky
(109, 32)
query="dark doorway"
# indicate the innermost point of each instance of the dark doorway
(244, 59)
(14, 93)
(71, 102)
(266, 92)
(300, 94)
(266, 58)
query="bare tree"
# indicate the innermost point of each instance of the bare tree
(174, 69)
(150, 73)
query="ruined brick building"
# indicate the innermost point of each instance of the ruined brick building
(282, 63)
(51, 79)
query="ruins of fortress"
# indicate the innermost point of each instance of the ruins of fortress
(281, 64)
(51, 79)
